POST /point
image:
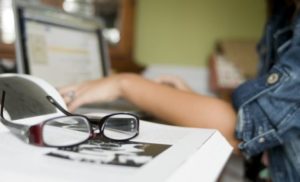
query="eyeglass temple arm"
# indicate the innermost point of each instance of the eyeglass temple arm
(19, 130)
(2, 103)
(58, 106)
(92, 119)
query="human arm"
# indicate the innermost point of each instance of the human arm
(169, 104)
(173, 81)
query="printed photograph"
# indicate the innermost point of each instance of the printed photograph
(101, 151)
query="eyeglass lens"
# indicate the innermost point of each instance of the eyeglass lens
(64, 131)
(120, 127)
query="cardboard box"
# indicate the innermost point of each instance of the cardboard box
(242, 53)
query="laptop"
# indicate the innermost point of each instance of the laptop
(62, 48)
(58, 47)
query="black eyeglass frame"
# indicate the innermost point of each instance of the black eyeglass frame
(32, 134)
(99, 121)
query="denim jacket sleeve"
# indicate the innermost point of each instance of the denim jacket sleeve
(269, 106)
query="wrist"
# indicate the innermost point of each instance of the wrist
(125, 81)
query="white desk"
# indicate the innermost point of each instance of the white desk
(195, 155)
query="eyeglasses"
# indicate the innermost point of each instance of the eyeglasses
(73, 129)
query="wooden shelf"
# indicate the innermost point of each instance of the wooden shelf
(7, 51)
(122, 54)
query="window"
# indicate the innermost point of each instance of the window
(7, 22)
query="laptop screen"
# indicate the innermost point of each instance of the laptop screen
(58, 47)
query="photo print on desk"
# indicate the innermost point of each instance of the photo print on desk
(100, 151)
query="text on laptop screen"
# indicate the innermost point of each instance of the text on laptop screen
(61, 53)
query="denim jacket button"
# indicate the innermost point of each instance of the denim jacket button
(261, 140)
(273, 78)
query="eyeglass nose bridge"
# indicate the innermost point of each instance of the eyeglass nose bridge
(97, 125)
(96, 120)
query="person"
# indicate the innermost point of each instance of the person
(265, 116)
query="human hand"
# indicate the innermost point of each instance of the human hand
(101, 90)
(173, 81)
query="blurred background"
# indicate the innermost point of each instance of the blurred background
(169, 32)
(209, 43)
(178, 33)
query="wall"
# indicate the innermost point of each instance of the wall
(184, 31)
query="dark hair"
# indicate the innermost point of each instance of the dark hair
(292, 5)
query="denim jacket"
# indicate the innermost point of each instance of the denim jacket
(268, 107)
